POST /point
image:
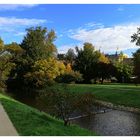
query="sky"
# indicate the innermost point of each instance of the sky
(107, 26)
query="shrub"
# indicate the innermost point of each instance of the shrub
(70, 77)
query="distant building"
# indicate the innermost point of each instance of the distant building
(112, 57)
(128, 61)
(120, 58)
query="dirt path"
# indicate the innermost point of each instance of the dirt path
(6, 126)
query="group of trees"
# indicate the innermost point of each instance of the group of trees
(92, 64)
(32, 66)
(35, 62)
(95, 66)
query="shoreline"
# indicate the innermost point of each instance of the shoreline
(118, 107)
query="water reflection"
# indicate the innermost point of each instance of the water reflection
(113, 123)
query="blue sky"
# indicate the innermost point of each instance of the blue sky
(108, 27)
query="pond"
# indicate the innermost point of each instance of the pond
(112, 123)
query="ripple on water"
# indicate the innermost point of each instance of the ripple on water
(113, 123)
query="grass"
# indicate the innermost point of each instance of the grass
(31, 122)
(120, 94)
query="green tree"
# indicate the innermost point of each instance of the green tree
(37, 45)
(86, 60)
(103, 68)
(136, 58)
(70, 56)
(7, 55)
(1, 46)
(136, 38)
(62, 103)
(123, 72)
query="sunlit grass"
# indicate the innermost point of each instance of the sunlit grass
(31, 122)
(123, 94)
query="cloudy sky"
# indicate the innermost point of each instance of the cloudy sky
(108, 27)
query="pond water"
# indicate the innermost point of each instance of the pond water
(112, 123)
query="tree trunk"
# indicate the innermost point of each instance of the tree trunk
(66, 122)
(102, 80)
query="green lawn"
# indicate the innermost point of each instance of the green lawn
(29, 121)
(123, 94)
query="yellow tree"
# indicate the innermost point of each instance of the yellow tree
(103, 67)
(45, 71)
(7, 54)
(103, 59)
(122, 56)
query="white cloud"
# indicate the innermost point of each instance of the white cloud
(8, 7)
(94, 25)
(17, 26)
(108, 39)
(4, 21)
(64, 48)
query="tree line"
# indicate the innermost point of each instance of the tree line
(35, 63)
(34, 66)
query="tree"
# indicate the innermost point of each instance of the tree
(136, 38)
(103, 68)
(70, 56)
(122, 56)
(136, 56)
(62, 103)
(86, 60)
(14, 49)
(1, 46)
(44, 72)
(103, 59)
(61, 56)
(37, 46)
(123, 72)
(59, 102)
(86, 103)
(7, 55)
(69, 75)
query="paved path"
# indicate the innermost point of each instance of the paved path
(6, 126)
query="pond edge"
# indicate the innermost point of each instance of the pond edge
(117, 107)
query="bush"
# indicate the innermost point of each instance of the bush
(70, 77)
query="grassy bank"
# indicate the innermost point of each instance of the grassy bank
(29, 121)
(127, 95)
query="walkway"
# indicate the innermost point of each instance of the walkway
(6, 126)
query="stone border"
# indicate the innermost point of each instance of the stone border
(118, 107)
